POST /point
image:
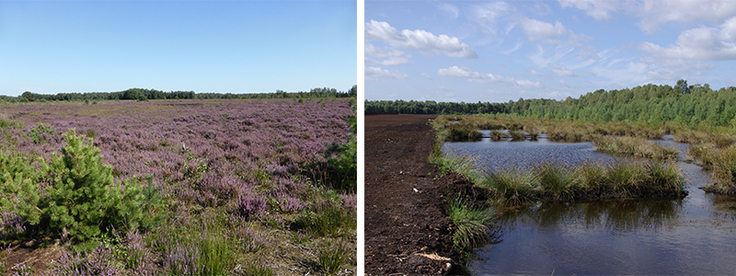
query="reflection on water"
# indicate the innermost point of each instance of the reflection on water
(621, 215)
(694, 235)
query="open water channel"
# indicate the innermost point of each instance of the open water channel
(694, 235)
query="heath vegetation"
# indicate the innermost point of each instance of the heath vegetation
(181, 187)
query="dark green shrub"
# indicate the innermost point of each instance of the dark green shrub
(82, 199)
(343, 167)
(18, 188)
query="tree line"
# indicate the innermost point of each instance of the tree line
(141, 94)
(654, 104)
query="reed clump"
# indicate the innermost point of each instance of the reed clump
(510, 185)
(554, 181)
(496, 135)
(516, 135)
(723, 164)
(634, 146)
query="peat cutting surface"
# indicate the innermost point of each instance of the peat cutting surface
(406, 227)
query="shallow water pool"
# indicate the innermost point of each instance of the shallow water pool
(694, 235)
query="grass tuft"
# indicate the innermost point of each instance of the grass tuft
(634, 146)
(512, 185)
(557, 180)
(471, 223)
(331, 258)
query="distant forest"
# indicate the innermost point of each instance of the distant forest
(140, 94)
(654, 104)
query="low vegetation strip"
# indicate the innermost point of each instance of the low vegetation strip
(634, 146)
(722, 162)
(553, 181)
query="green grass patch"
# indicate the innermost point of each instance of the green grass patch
(332, 257)
(326, 219)
(471, 224)
(558, 180)
(513, 185)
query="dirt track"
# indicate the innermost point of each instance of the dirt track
(404, 203)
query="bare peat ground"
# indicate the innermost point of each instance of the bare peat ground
(406, 227)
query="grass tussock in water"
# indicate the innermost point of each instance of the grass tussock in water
(511, 185)
(553, 181)
(559, 181)
(634, 146)
(723, 164)
(471, 223)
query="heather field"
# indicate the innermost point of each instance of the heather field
(179, 187)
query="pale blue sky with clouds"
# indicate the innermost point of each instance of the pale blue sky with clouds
(498, 51)
(50, 47)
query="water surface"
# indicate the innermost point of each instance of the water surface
(694, 235)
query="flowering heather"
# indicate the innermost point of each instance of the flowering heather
(215, 147)
(10, 224)
(250, 160)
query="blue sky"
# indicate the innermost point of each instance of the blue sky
(50, 47)
(498, 51)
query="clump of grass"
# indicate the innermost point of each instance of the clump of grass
(620, 177)
(634, 146)
(511, 185)
(591, 174)
(471, 224)
(558, 180)
(661, 176)
(705, 153)
(256, 268)
(496, 135)
(203, 248)
(724, 171)
(459, 132)
(331, 258)
(326, 219)
(533, 136)
(516, 135)
(721, 140)
(474, 135)
(459, 163)
(552, 181)
(6, 122)
(690, 137)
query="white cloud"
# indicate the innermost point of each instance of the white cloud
(450, 9)
(622, 75)
(597, 9)
(488, 14)
(664, 74)
(536, 30)
(420, 40)
(654, 13)
(389, 56)
(518, 45)
(703, 43)
(561, 71)
(560, 51)
(472, 76)
(657, 12)
(375, 73)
